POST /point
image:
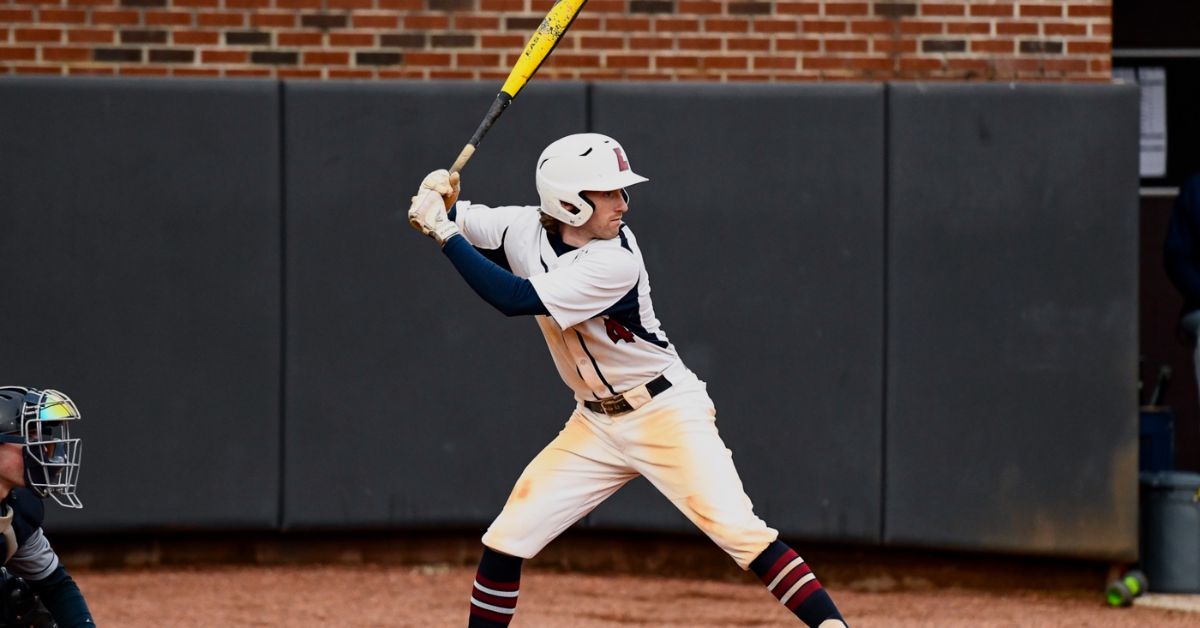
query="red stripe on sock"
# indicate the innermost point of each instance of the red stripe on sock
(808, 589)
(787, 557)
(499, 586)
(484, 613)
(494, 600)
(790, 579)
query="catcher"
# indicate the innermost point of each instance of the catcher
(38, 459)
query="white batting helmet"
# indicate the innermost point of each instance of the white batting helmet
(578, 163)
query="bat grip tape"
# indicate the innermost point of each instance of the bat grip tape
(498, 106)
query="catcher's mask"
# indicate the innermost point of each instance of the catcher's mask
(40, 421)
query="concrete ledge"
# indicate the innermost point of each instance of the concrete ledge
(1171, 601)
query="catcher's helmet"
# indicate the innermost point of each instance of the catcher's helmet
(40, 420)
(578, 163)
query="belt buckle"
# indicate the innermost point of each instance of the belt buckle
(615, 405)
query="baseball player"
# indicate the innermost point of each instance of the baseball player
(38, 459)
(574, 265)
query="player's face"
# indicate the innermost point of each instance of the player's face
(605, 222)
(12, 465)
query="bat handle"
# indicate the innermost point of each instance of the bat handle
(463, 157)
(498, 106)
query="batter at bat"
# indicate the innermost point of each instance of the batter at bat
(575, 266)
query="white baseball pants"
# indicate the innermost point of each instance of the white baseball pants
(672, 441)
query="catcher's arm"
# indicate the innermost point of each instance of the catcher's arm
(63, 598)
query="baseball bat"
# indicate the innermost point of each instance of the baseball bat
(540, 45)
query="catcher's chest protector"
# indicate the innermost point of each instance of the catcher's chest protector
(21, 515)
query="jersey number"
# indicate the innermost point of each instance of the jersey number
(617, 331)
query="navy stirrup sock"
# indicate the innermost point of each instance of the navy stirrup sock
(494, 596)
(790, 580)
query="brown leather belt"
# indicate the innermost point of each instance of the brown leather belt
(617, 405)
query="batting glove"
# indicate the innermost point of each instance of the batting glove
(427, 214)
(445, 184)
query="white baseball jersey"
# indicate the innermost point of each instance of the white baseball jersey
(601, 331)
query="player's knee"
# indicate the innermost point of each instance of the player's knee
(733, 527)
(743, 542)
(513, 548)
(744, 552)
(524, 545)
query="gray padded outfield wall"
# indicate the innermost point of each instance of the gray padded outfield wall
(914, 305)
(141, 252)
(1012, 294)
(410, 401)
(762, 230)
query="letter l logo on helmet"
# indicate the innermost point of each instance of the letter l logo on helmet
(622, 164)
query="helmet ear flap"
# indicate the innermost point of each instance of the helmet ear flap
(574, 209)
(12, 400)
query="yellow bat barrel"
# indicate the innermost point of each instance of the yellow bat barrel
(540, 45)
(543, 41)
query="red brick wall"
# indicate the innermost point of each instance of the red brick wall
(717, 40)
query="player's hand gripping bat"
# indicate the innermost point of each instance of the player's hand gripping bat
(540, 45)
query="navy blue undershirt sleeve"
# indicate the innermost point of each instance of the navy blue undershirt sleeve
(63, 599)
(512, 295)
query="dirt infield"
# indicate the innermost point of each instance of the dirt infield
(436, 596)
(351, 588)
